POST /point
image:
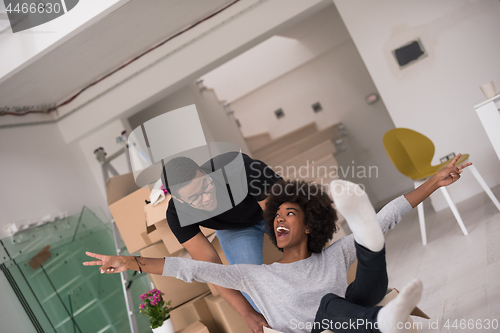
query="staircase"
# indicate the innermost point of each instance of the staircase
(306, 153)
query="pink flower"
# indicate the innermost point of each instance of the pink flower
(142, 306)
(156, 292)
(164, 189)
(143, 297)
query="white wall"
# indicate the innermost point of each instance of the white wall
(216, 124)
(222, 126)
(104, 137)
(40, 175)
(281, 53)
(340, 82)
(176, 100)
(436, 95)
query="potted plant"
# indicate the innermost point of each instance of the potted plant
(158, 311)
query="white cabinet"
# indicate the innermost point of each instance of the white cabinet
(489, 114)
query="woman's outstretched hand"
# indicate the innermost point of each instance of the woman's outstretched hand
(109, 264)
(451, 173)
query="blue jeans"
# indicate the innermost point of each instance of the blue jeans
(243, 246)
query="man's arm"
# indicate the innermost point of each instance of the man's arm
(200, 249)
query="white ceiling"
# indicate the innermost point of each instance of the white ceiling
(97, 50)
(280, 54)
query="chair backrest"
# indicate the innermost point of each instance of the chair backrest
(410, 152)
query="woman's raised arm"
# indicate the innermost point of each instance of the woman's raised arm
(117, 264)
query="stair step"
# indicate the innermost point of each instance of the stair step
(319, 171)
(315, 153)
(283, 141)
(276, 158)
(256, 142)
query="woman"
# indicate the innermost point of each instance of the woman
(291, 293)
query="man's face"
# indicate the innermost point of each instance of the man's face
(199, 193)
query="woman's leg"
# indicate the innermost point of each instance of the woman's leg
(370, 285)
(243, 246)
(339, 315)
(356, 312)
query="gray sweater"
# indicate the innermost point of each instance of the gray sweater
(288, 295)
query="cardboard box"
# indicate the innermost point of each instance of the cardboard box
(154, 214)
(158, 229)
(213, 291)
(126, 203)
(226, 318)
(191, 312)
(196, 327)
(175, 290)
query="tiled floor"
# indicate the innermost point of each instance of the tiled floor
(461, 274)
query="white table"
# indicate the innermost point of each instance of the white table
(489, 114)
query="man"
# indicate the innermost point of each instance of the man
(206, 196)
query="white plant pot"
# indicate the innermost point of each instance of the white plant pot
(167, 327)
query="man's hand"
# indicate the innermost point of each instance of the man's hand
(255, 322)
(451, 173)
(109, 264)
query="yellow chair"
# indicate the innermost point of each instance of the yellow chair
(412, 153)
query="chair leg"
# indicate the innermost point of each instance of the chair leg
(485, 186)
(421, 217)
(454, 210)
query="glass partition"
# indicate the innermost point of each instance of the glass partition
(62, 295)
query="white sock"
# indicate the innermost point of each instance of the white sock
(353, 203)
(398, 310)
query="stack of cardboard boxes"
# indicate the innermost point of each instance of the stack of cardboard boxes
(197, 306)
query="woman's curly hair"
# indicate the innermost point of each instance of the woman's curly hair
(320, 216)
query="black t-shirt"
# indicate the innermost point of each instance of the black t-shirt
(260, 178)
